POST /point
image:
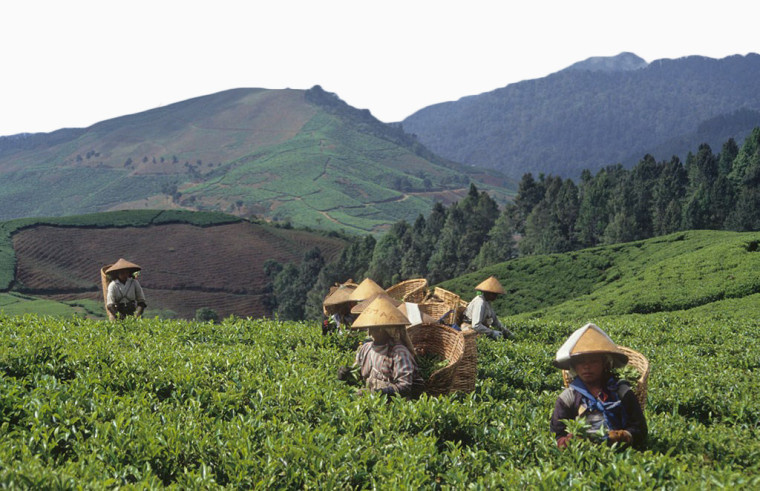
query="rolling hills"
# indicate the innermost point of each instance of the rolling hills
(189, 260)
(304, 157)
(670, 273)
(595, 113)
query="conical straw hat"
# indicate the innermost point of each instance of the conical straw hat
(339, 296)
(123, 264)
(359, 307)
(589, 339)
(491, 285)
(365, 290)
(381, 312)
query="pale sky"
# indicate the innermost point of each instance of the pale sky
(73, 63)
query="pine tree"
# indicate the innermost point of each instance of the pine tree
(500, 245)
(667, 197)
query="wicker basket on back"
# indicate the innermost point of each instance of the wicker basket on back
(413, 290)
(444, 305)
(454, 346)
(467, 372)
(104, 283)
(637, 361)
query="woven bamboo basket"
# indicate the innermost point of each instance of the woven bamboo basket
(441, 312)
(445, 296)
(440, 302)
(104, 283)
(467, 372)
(413, 290)
(637, 361)
(442, 341)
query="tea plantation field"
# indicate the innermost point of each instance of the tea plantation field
(255, 404)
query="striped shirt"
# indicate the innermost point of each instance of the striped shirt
(389, 368)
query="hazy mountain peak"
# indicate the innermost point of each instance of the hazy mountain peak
(623, 62)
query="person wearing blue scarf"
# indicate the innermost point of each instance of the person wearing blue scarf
(605, 403)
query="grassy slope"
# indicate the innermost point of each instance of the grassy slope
(674, 272)
(269, 153)
(326, 168)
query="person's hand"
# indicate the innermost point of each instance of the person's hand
(563, 441)
(620, 436)
(362, 392)
(343, 372)
(496, 335)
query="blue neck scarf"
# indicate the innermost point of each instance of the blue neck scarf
(613, 410)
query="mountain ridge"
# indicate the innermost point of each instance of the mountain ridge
(575, 119)
(288, 155)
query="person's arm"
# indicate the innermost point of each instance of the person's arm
(561, 412)
(404, 367)
(478, 316)
(361, 353)
(636, 424)
(139, 295)
(111, 295)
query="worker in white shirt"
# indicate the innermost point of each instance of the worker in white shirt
(480, 316)
(125, 295)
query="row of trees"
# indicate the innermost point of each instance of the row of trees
(708, 191)
(548, 215)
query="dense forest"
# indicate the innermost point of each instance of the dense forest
(550, 214)
(584, 118)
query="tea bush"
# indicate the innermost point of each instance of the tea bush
(256, 403)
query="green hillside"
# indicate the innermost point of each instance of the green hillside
(304, 157)
(669, 273)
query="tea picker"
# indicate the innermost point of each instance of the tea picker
(608, 406)
(123, 294)
(479, 314)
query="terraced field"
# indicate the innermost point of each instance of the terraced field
(185, 267)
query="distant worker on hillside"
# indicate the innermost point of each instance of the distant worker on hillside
(608, 405)
(480, 316)
(124, 296)
(387, 363)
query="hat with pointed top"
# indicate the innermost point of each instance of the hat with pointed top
(589, 339)
(365, 290)
(340, 295)
(123, 264)
(380, 312)
(359, 307)
(492, 285)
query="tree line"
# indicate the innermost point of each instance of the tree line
(549, 214)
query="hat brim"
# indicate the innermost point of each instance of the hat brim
(121, 265)
(619, 359)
